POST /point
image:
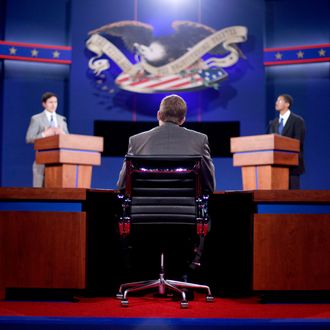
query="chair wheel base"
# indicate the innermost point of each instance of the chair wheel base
(119, 296)
(124, 303)
(184, 304)
(209, 298)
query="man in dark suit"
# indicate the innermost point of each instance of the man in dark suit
(43, 124)
(293, 126)
(169, 138)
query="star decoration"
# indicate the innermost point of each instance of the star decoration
(56, 54)
(34, 52)
(322, 52)
(12, 50)
(300, 54)
(278, 56)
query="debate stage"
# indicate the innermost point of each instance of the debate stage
(151, 313)
(261, 242)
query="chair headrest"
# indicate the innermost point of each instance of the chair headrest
(164, 160)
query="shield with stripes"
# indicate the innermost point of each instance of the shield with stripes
(163, 66)
(187, 81)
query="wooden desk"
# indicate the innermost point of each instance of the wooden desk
(291, 245)
(41, 245)
(269, 240)
(49, 238)
(67, 238)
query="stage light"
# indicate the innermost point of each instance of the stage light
(176, 3)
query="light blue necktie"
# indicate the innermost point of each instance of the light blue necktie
(280, 126)
(52, 121)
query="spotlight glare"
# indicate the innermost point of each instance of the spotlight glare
(176, 3)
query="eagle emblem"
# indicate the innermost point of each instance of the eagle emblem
(192, 57)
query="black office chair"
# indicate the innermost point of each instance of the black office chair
(164, 190)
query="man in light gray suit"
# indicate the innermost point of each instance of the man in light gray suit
(43, 124)
(169, 138)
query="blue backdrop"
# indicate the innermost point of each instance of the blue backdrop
(246, 78)
(290, 25)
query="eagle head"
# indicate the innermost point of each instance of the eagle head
(155, 52)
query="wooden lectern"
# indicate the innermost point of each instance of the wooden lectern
(68, 159)
(265, 160)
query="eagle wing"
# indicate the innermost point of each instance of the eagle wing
(190, 33)
(130, 31)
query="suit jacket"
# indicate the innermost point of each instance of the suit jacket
(171, 139)
(294, 128)
(38, 124)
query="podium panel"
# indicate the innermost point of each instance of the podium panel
(264, 142)
(68, 176)
(267, 177)
(265, 160)
(68, 159)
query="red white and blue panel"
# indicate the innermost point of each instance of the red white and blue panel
(297, 55)
(35, 52)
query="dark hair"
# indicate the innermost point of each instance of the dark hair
(173, 108)
(46, 96)
(288, 98)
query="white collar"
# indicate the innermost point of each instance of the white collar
(49, 114)
(285, 116)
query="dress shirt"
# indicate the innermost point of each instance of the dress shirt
(49, 114)
(285, 117)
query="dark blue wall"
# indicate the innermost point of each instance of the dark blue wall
(24, 82)
(290, 25)
(248, 95)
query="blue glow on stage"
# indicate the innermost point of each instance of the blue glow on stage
(41, 206)
(73, 323)
(293, 209)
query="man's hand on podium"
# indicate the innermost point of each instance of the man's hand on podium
(50, 131)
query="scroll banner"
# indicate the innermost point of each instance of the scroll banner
(100, 45)
(186, 73)
(226, 37)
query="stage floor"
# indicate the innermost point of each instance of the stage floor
(148, 306)
(152, 313)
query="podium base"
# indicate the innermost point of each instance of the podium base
(68, 176)
(265, 177)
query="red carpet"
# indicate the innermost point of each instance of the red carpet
(165, 308)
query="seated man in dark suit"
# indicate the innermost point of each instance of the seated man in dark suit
(169, 138)
(291, 125)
